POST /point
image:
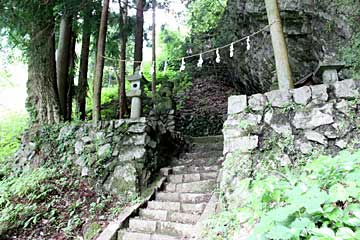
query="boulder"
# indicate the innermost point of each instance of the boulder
(346, 89)
(302, 95)
(237, 104)
(279, 98)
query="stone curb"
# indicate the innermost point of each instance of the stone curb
(209, 210)
(111, 231)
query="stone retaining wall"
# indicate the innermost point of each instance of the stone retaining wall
(264, 132)
(122, 156)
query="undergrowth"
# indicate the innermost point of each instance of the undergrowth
(319, 201)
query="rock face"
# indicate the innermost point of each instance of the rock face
(320, 119)
(120, 156)
(314, 30)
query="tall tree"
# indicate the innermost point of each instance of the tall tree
(63, 63)
(99, 67)
(71, 75)
(153, 85)
(123, 34)
(43, 99)
(84, 66)
(279, 45)
(139, 34)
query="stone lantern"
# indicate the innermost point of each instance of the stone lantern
(328, 72)
(136, 92)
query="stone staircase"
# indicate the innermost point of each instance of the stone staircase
(179, 205)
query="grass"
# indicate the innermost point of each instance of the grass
(11, 128)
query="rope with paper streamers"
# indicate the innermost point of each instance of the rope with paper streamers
(201, 54)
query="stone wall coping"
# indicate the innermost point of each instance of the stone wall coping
(111, 231)
(346, 89)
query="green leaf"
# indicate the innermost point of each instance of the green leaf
(345, 233)
(301, 224)
(338, 193)
(324, 232)
(279, 232)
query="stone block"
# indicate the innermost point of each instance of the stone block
(302, 95)
(257, 102)
(176, 229)
(237, 104)
(196, 187)
(123, 180)
(346, 89)
(242, 144)
(279, 98)
(320, 93)
(154, 214)
(105, 151)
(314, 118)
(342, 144)
(194, 208)
(79, 147)
(137, 128)
(168, 206)
(184, 217)
(142, 225)
(316, 137)
(132, 153)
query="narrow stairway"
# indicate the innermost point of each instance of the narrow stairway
(178, 207)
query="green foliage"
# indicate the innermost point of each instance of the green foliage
(318, 201)
(11, 128)
(204, 15)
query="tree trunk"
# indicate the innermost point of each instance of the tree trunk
(123, 32)
(63, 63)
(71, 75)
(153, 86)
(84, 67)
(43, 99)
(99, 68)
(139, 34)
(280, 49)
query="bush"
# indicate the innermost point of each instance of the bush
(318, 201)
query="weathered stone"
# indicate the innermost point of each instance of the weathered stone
(237, 104)
(137, 128)
(242, 144)
(346, 89)
(285, 160)
(279, 98)
(119, 123)
(268, 116)
(123, 180)
(314, 118)
(305, 147)
(342, 107)
(319, 93)
(135, 140)
(283, 129)
(342, 144)
(91, 231)
(131, 154)
(257, 102)
(316, 137)
(86, 139)
(105, 151)
(85, 172)
(79, 147)
(302, 95)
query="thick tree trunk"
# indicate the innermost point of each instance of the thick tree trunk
(279, 44)
(139, 34)
(153, 85)
(71, 75)
(84, 66)
(63, 64)
(99, 68)
(123, 27)
(43, 100)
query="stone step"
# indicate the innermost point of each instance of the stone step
(202, 155)
(183, 197)
(163, 215)
(193, 208)
(192, 177)
(208, 139)
(184, 169)
(204, 186)
(162, 227)
(203, 147)
(128, 235)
